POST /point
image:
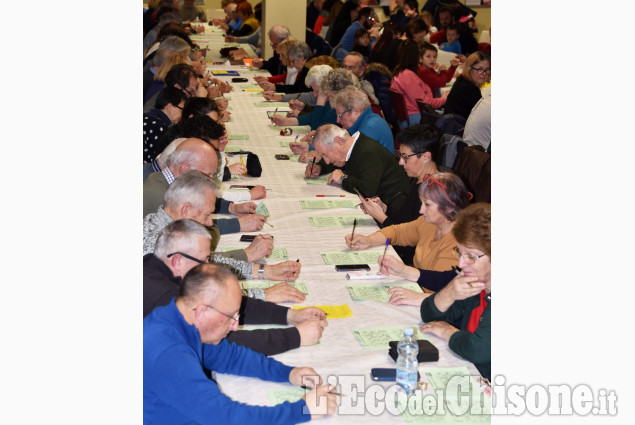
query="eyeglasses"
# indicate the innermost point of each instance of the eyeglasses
(341, 114)
(468, 258)
(351, 67)
(177, 106)
(189, 257)
(189, 92)
(234, 318)
(487, 71)
(429, 181)
(405, 157)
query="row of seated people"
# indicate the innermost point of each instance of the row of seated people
(194, 302)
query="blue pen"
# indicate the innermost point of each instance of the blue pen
(385, 249)
(296, 138)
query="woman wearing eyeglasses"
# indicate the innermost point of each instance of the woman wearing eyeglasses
(468, 297)
(443, 195)
(466, 89)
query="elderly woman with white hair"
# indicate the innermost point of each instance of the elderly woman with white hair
(322, 113)
(354, 113)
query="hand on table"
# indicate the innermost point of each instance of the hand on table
(335, 178)
(251, 222)
(260, 78)
(283, 121)
(308, 137)
(312, 170)
(271, 96)
(243, 208)
(283, 293)
(257, 63)
(311, 331)
(305, 376)
(441, 329)
(308, 157)
(238, 168)
(222, 103)
(213, 91)
(295, 317)
(258, 192)
(267, 86)
(287, 271)
(261, 247)
(299, 147)
(296, 105)
(321, 401)
(358, 242)
(231, 39)
(403, 296)
(226, 115)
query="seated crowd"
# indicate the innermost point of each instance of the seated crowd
(388, 124)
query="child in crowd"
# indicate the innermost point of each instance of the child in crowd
(427, 18)
(406, 82)
(361, 43)
(452, 45)
(428, 65)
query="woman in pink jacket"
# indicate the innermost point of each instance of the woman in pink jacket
(407, 82)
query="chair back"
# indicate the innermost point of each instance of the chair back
(474, 167)
(399, 105)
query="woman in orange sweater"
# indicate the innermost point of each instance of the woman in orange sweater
(443, 195)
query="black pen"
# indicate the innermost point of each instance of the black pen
(354, 226)
(312, 164)
(297, 261)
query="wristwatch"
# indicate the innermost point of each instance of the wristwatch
(261, 272)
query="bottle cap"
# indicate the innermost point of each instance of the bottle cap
(408, 332)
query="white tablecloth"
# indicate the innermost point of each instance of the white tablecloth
(338, 353)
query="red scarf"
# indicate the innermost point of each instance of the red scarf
(475, 317)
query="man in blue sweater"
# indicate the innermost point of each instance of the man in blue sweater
(189, 334)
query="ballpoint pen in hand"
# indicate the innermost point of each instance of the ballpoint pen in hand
(354, 226)
(312, 164)
(384, 256)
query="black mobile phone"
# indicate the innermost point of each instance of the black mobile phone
(282, 156)
(239, 80)
(249, 238)
(350, 267)
(386, 374)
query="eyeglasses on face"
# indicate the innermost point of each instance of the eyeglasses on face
(234, 318)
(341, 114)
(405, 157)
(487, 71)
(468, 258)
(189, 257)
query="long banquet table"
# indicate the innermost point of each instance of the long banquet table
(338, 352)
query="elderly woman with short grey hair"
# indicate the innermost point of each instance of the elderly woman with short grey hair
(297, 55)
(353, 112)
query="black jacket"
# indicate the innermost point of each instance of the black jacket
(160, 286)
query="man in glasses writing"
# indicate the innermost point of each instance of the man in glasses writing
(185, 337)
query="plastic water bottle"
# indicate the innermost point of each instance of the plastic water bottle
(407, 362)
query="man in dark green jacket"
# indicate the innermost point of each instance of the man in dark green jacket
(358, 162)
